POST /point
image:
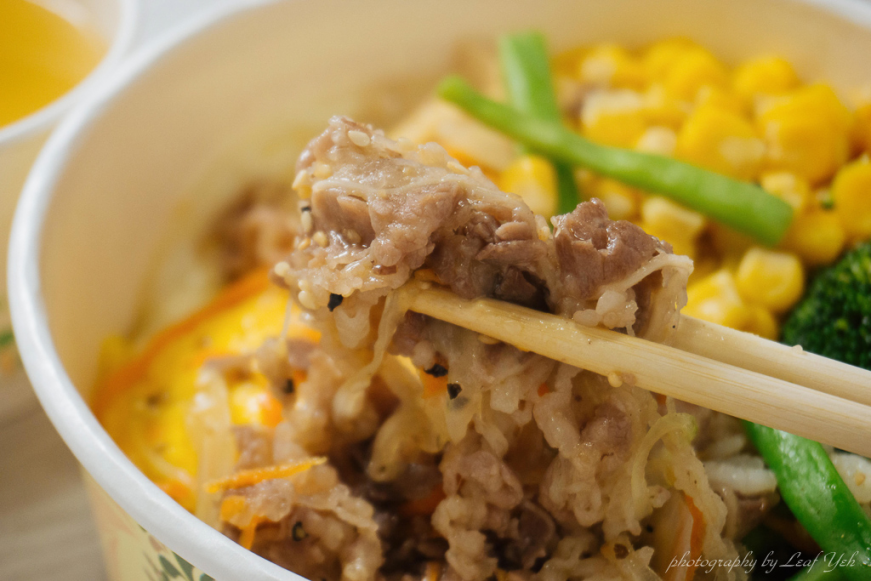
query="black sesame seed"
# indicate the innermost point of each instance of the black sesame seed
(454, 390)
(305, 209)
(437, 370)
(289, 386)
(335, 301)
(298, 532)
(620, 551)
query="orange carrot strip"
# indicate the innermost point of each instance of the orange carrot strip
(255, 282)
(257, 475)
(231, 506)
(697, 536)
(248, 532)
(423, 506)
(433, 386)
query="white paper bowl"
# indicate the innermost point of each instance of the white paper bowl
(114, 174)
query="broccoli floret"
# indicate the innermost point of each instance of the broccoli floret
(834, 317)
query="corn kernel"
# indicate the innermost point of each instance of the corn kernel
(851, 193)
(817, 236)
(789, 187)
(807, 132)
(770, 278)
(721, 141)
(761, 322)
(716, 299)
(661, 56)
(692, 70)
(667, 216)
(614, 118)
(532, 177)
(767, 75)
(661, 108)
(620, 200)
(680, 243)
(720, 98)
(658, 140)
(612, 66)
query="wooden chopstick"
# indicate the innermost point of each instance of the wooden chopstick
(688, 376)
(791, 364)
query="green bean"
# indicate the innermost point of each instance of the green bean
(741, 206)
(526, 71)
(818, 497)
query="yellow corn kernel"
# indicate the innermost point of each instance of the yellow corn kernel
(663, 109)
(807, 132)
(667, 216)
(621, 200)
(692, 70)
(721, 141)
(720, 98)
(851, 193)
(790, 188)
(611, 65)
(252, 404)
(768, 75)
(761, 322)
(532, 177)
(817, 236)
(661, 56)
(716, 299)
(862, 130)
(770, 278)
(614, 118)
(680, 243)
(659, 140)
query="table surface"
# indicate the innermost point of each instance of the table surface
(46, 529)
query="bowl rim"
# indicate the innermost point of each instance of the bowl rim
(195, 541)
(41, 120)
(200, 544)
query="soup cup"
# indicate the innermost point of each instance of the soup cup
(213, 99)
(114, 22)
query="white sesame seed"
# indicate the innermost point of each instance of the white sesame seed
(304, 285)
(487, 340)
(358, 138)
(352, 236)
(282, 269)
(322, 171)
(304, 243)
(306, 220)
(320, 239)
(615, 379)
(307, 300)
(301, 179)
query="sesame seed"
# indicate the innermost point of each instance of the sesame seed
(335, 301)
(282, 269)
(358, 138)
(487, 340)
(304, 243)
(304, 285)
(437, 370)
(454, 390)
(298, 532)
(352, 236)
(322, 171)
(307, 300)
(307, 223)
(614, 379)
(320, 239)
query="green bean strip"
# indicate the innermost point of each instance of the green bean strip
(742, 206)
(526, 71)
(818, 497)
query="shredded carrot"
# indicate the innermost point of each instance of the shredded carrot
(543, 390)
(433, 571)
(257, 475)
(232, 506)
(127, 376)
(423, 506)
(248, 532)
(697, 536)
(433, 386)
